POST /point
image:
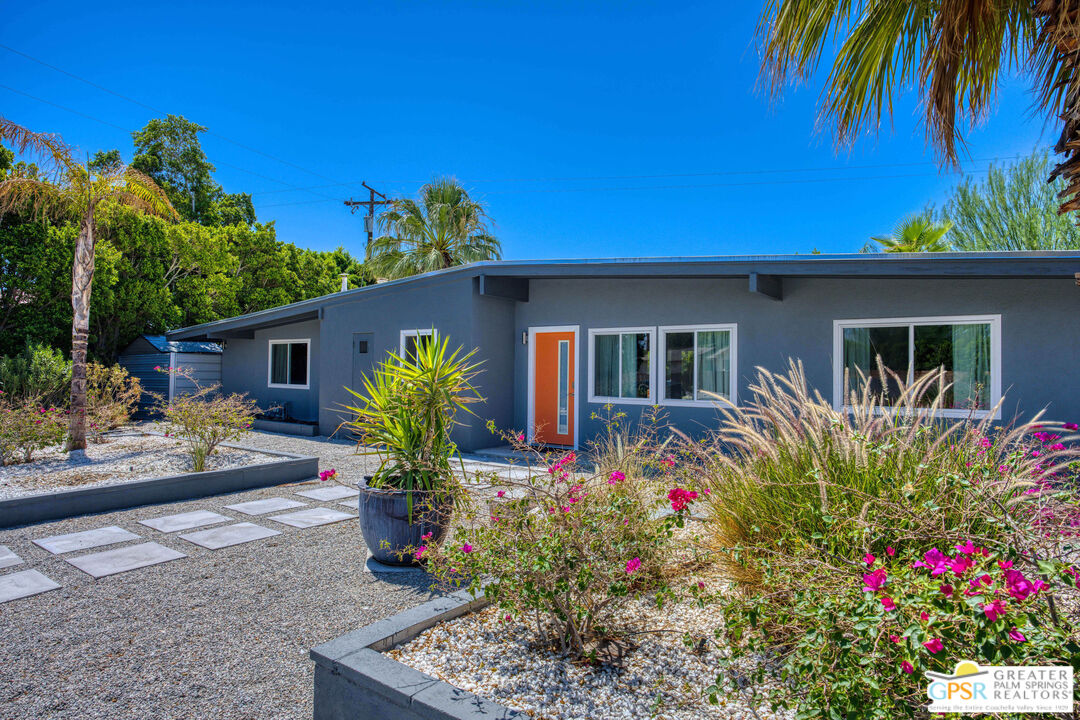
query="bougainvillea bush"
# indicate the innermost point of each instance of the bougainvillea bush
(205, 418)
(570, 546)
(807, 500)
(27, 426)
(111, 396)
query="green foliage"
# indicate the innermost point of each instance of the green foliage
(111, 396)
(446, 228)
(1013, 208)
(568, 547)
(39, 373)
(206, 418)
(35, 284)
(913, 234)
(407, 411)
(27, 426)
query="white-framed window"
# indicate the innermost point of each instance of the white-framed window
(289, 364)
(621, 365)
(967, 347)
(411, 338)
(697, 363)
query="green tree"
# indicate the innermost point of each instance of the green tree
(76, 192)
(913, 234)
(1013, 208)
(955, 53)
(444, 229)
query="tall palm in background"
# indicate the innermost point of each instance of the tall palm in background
(445, 228)
(955, 51)
(71, 190)
(916, 233)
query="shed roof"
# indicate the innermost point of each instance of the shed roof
(163, 344)
(1030, 264)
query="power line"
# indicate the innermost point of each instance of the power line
(160, 111)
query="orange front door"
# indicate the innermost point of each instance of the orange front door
(553, 387)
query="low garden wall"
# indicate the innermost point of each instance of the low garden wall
(355, 681)
(187, 486)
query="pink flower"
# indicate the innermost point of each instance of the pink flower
(420, 552)
(501, 493)
(937, 561)
(994, 610)
(894, 638)
(427, 536)
(681, 498)
(923, 616)
(872, 582)
(632, 565)
(961, 565)
(890, 551)
(968, 548)
(1016, 636)
(616, 476)
(669, 461)
(946, 590)
(507, 618)
(869, 559)
(328, 474)
(986, 442)
(1004, 564)
(700, 585)
(907, 667)
(1071, 426)
(934, 646)
(521, 437)
(888, 603)
(1019, 587)
(466, 548)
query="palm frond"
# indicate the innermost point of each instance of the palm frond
(57, 155)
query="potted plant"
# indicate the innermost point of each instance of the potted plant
(407, 410)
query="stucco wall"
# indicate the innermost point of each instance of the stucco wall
(1040, 328)
(245, 365)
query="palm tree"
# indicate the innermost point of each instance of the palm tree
(444, 229)
(915, 233)
(956, 53)
(68, 189)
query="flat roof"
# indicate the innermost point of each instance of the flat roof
(1030, 264)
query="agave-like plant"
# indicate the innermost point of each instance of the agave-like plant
(408, 408)
(71, 190)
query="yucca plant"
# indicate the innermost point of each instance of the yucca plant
(408, 408)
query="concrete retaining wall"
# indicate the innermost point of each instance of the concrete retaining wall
(284, 427)
(86, 501)
(355, 681)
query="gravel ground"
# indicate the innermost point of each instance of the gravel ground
(123, 458)
(496, 658)
(220, 634)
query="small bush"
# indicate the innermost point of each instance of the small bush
(111, 396)
(40, 373)
(27, 426)
(569, 548)
(206, 418)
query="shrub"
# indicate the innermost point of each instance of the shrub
(26, 426)
(407, 412)
(111, 396)
(40, 373)
(206, 418)
(568, 548)
(807, 500)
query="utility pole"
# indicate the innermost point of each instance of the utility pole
(370, 203)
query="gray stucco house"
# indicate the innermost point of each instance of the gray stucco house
(561, 338)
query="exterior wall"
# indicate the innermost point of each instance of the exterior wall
(245, 365)
(454, 310)
(142, 366)
(205, 368)
(1038, 355)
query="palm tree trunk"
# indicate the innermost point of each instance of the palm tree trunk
(82, 276)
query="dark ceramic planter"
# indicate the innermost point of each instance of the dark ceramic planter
(384, 522)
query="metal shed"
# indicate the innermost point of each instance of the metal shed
(201, 358)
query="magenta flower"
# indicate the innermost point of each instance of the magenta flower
(872, 582)
(907, 667)
(681, 498)
(869, 559)
(1019, 587)
(1071, 426)
(1016, 636)
(934, 646)
(521, 437)
(420, 552)
(986, 442)
(946, 590)
(328, 474)
(890, 551)
(937, 561)
(466, 548)
(994, 610)
(894, 638)
(427, 536)
(961, 565)
(1004, 564)
(616, 476)
(888, 603)
(923, 616)
(632, 565)
(501, 493)
(968, 548)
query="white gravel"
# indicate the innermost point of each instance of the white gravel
(663, 678)
(125, 457)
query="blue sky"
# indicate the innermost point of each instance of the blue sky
(554, 114)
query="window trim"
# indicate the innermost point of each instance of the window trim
(415, 333)
(270, 363)
(733, 395)
(605, 400)
(995, 356)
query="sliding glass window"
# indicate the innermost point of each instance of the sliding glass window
(621, 365)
